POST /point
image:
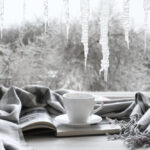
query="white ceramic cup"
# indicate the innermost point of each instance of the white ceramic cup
(79, 106)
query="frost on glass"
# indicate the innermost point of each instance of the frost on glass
(1, 17)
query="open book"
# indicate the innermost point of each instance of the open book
(39, 118)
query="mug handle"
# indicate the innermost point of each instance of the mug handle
(99, 108)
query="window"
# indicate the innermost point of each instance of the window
(28, 55)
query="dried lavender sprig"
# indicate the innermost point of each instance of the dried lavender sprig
(132, 136)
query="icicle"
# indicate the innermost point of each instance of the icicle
(23, 24)
(67, 16)
(104, 20)
(24, 12)
(85, 27)
(46, 14)
(125, 18)
(1, 17)
(146, 6)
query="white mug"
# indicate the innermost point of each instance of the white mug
(79, 106)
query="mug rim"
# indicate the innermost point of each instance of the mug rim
(80, 95)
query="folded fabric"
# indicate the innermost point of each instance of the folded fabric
(113, 109)
(135, 132)
(14, 101)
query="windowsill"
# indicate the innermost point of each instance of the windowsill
(116, 94)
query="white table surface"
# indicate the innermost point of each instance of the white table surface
(75, 143)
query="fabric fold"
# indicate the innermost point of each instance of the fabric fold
(143, 123)
(115, 107)
(143, 100)
(10, 106)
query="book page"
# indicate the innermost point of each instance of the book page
(36, 118)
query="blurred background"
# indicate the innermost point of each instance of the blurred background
(28, 55)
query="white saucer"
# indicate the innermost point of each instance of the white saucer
(93, 119)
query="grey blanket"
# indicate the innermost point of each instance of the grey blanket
(15, 100)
